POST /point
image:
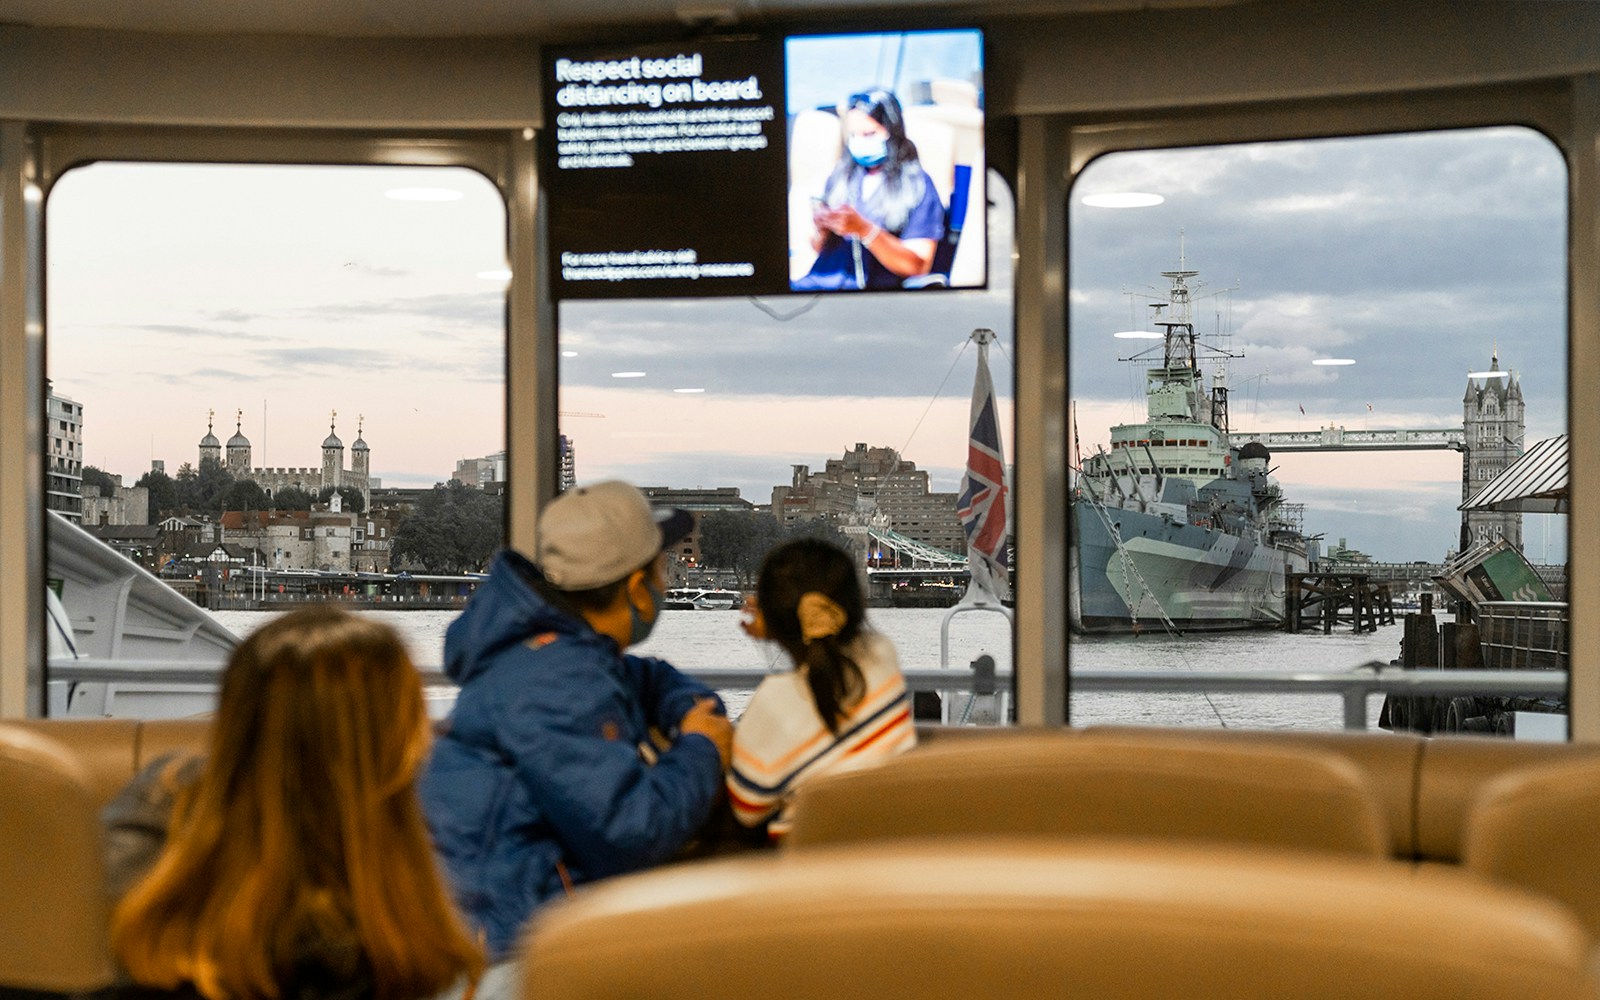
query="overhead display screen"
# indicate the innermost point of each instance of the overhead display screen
(760, 166)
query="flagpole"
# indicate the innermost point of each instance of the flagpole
(982, 504)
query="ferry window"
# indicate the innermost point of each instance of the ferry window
(844, 415)
(1363, 333)
(259, 352)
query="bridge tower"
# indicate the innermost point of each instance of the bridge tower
(1492, 417)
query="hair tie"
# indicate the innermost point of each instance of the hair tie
(819, 616)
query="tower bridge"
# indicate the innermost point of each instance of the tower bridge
(1493, 423)
(1341, 439)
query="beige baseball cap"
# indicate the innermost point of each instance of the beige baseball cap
(593, 535)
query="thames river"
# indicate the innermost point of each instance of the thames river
(713, 639)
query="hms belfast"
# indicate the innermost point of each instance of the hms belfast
(1174, 527)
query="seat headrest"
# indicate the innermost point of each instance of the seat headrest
(53, 910)
(1083, 784)
(1008, 920)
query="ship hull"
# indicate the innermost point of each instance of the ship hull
(1196, 578)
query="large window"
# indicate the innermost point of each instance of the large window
(275, 384)
(1359, 302)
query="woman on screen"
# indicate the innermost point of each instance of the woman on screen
(879, 218)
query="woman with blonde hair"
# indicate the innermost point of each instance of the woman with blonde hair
(292, 862)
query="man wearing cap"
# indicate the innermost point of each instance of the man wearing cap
(546, 775)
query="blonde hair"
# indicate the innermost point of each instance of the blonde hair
(303, 833)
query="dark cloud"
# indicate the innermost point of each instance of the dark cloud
(485, 308)
(295, 359)
(234, 316)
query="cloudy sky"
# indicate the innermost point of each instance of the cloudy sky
(1413, 255)
(290, 292)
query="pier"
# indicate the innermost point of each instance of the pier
(1332, 599)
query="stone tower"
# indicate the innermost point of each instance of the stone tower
(332, 457)
(210, 447)
(1492, 417)
(360, 456)
(239, 450)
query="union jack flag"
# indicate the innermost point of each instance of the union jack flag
(982, 504)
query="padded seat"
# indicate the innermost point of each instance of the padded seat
(1457, 770)
(1538, 829)
(977, 918)
(1118, 784)
(53, 910)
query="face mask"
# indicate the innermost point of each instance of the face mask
(638, 627)
(869, 150)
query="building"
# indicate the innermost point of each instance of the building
(329, 539)
(1494, 424)
(331, 473)
(698, 502)
(481, 472)
(569, 465)
(127, 505)
(63, 485)
(868, 481)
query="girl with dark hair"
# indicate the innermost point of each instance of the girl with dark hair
(879, 218)
(291, 863)
(845, 703)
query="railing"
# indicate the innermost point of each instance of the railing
(1354, 686)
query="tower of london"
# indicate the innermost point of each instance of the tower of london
(311, 479)
(1492, 417)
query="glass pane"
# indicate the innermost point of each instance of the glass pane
(1385, 318)
(840, 414)
(264, 377)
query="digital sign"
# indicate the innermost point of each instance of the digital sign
(761, 166)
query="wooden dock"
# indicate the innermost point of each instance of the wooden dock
(1330, 600)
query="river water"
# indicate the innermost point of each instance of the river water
(713, 639)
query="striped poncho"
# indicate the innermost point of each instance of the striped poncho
(780, 741)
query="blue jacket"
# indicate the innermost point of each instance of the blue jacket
(541, 763)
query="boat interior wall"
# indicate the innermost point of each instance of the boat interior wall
(1102, 784)
(1078, 65)
(1042, 62)
(53, 933)
(122, 78)
(978, 917)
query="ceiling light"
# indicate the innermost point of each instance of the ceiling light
(498, 274)
(1122, 199)
(569, 354)
(688, 390)
(1328, 362)
(627, 374)
(1138, 335)
(1488, 374)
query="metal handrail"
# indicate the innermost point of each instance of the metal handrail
(1354, 686)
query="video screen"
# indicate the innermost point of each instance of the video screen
(760, 166)
(886, 161)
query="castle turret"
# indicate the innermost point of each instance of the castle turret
(360, 454)
(1493, 419)
(239, 449)
(210, 447)
(332, 456)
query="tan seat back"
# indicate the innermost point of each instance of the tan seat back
(112, 751)
(1387, 761)
(973, 918)
(52, 899)
(1457, 770)
(1059, 785)
(1538, 828)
